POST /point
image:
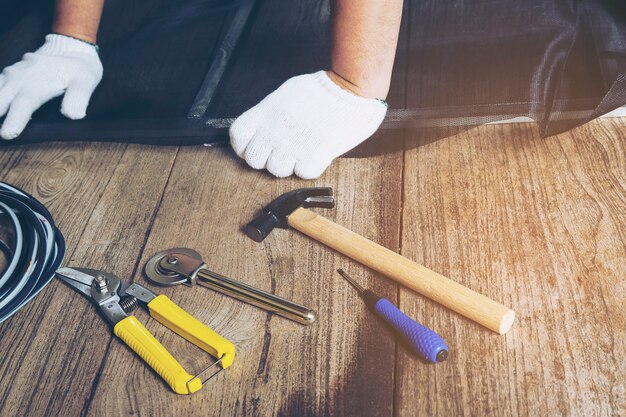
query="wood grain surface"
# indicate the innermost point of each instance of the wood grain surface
(537, 224)
(53, 348)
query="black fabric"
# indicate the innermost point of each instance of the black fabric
(460, 63)
(155, 54)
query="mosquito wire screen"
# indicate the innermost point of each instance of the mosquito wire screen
(179, 71)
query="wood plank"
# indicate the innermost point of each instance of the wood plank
(53, 348)
(535, 223)
(341, 365)
(538, 224)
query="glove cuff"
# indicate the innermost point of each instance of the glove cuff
(66, 45)
(345, 95)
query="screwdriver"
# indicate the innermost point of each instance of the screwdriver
(425, 342)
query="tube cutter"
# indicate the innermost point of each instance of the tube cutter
(116, 299)
(185, 266)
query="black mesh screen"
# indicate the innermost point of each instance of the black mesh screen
(460, 63)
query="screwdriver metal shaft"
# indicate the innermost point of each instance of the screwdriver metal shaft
(425, 342)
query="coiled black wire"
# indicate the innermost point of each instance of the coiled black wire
(36, 254)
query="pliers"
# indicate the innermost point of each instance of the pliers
(116, 299)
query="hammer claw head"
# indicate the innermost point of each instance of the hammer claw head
(324, 202)
(312, 192)
(276, 213)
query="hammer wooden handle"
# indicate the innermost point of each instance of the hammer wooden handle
(446, 292)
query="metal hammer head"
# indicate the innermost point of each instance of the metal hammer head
(276, 213)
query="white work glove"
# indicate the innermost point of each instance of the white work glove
(303, 125)
(61, 65)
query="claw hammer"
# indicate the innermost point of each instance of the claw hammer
(290, 210)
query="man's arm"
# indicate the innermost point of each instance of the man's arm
(314, 118)
(365, 37)
(78, 18)
(66, 64)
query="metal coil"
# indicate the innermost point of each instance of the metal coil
(129, 303)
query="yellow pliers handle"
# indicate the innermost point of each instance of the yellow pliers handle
(166, 312)
(140, 340)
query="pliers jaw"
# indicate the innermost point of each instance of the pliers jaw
(101, 287)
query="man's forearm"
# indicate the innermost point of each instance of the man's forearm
(365, 37)
(78, 18)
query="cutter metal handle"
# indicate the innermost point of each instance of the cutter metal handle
(255, 296)
(185, 266)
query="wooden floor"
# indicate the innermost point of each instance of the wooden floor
(537, 224)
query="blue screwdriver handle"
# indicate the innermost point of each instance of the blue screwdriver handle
(424, 341)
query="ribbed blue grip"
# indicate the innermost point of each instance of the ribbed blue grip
(424, 341)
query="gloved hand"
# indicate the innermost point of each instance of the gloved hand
(61, 65)
(303, 125)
